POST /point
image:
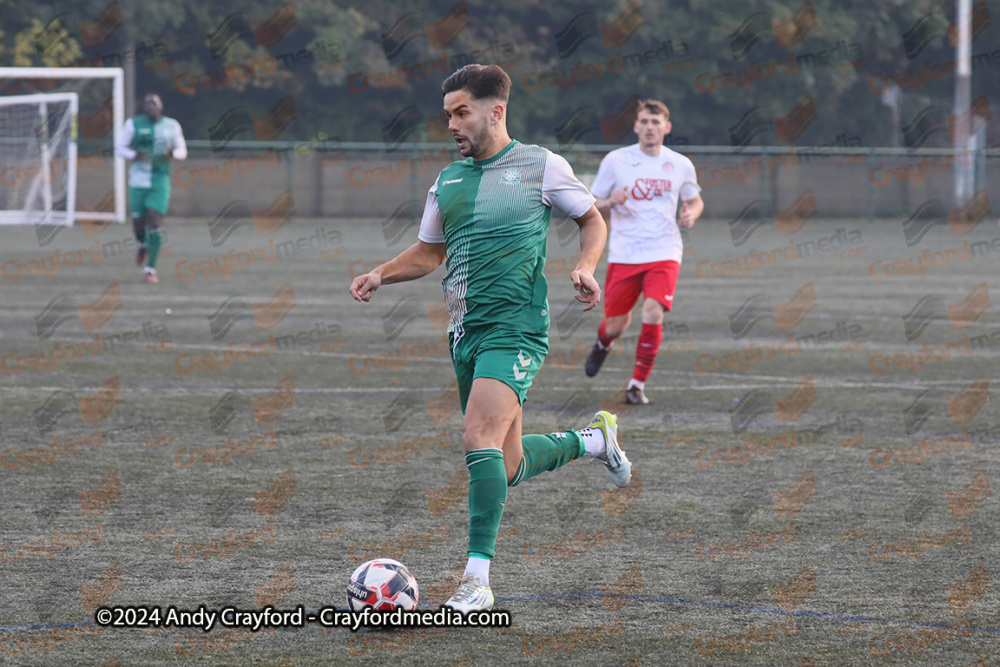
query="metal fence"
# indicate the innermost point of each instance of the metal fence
(364, 180)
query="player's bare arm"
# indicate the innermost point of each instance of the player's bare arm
(417, 261)
(593, 234)
(617, 198)
(690, 211)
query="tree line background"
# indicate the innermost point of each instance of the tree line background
(180, 40)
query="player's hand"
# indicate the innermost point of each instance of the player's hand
(140, 155)
(363, 288)
(685, 219)
(169, 152)
(618, 197)
(588, 288)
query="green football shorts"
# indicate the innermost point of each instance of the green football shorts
(156, 198)
(513, 357)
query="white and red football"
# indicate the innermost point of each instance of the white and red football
(383, 584)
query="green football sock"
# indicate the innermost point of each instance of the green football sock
(153, 237)
(547, 452)
(487, 495)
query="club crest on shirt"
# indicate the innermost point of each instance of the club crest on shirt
(668, 167)
(510, 176)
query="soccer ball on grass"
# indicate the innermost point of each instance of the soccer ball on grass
(383, 584)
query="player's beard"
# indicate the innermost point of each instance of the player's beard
(475, 143)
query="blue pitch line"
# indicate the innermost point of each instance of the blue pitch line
(722, 605)
(630, 598)
(44, 626)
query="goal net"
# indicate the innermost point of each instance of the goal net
(58, 126)
(38, 155)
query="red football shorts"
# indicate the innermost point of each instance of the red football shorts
(656, 280)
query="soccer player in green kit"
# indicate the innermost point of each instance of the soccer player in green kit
(150, 140)
(488, 215)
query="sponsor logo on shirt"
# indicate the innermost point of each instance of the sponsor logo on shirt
(454, 180)
(647, 188)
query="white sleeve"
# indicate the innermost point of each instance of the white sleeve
(180, 148)
(604, 182)
(690, 187)
(125, 140)
(562, 190)
(431, 230)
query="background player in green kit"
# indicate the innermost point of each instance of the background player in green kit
(489, 216)
(150, 140)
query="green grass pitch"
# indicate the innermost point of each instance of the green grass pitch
(816, 502)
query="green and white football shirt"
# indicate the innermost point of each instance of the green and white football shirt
(493, 217)
(142, 134)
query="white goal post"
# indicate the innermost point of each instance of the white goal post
(36, 197)
(33, 76)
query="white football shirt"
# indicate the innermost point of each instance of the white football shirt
(644, 228)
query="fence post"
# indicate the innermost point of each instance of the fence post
(870, 199)
(290, 168)
(775, 195)
(413, 184)
(318, 205)
(764, 189)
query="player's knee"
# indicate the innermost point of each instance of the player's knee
(652, 312)
(474, 439)
(616, 326)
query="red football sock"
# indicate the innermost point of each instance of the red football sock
(602, 335)
(645, 351)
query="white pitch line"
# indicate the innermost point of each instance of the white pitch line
(185, 389)
(308, 353)
(219, 298)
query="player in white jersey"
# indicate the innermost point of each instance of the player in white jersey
(641, 185)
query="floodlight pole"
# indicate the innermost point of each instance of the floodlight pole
(962, 107)
(129, 60)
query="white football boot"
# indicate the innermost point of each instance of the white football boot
(471, 595)
(615, 462)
